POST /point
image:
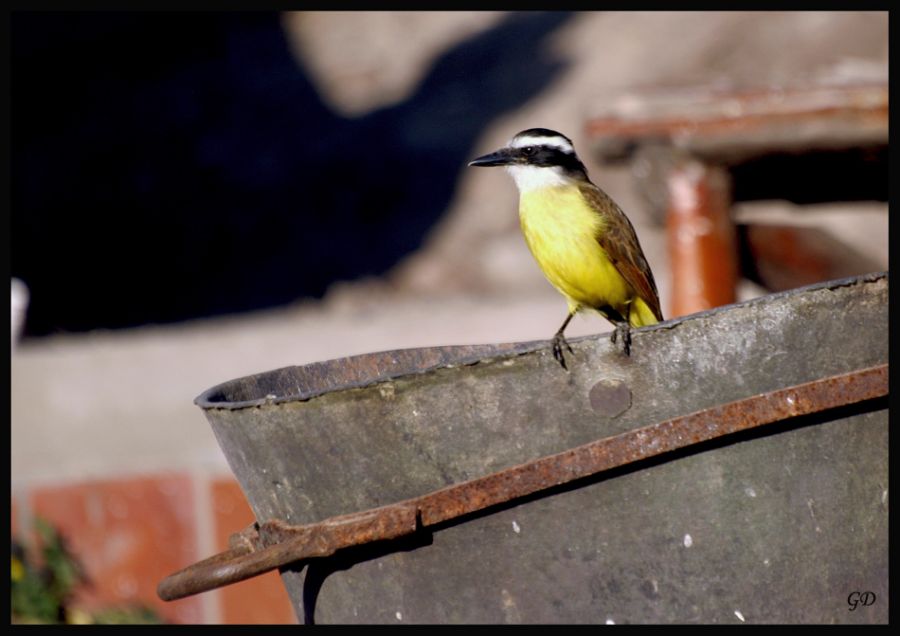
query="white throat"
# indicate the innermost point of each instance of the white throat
(534, 177)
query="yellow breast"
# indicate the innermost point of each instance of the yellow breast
(560, 229)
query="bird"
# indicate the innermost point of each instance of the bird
(581, 239)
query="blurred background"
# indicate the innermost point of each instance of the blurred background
(198, 197)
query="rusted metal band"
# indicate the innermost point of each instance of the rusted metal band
(655, 439)
(273, 544)
(260, 549)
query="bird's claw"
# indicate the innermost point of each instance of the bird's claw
(558, 342)
(621, 335)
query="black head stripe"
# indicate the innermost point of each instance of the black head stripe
(545, 156)
(543, 150)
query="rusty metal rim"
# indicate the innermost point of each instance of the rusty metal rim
(259, 549)
(471, 354)
(461, 355)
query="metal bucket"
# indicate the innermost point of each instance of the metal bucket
(784, 523)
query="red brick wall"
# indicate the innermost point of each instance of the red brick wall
(130, 533)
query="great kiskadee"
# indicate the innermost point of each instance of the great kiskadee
(582, 241)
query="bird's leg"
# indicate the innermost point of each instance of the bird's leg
(559, 340)
(622, 334)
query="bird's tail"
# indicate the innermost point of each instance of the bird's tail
(640, 314)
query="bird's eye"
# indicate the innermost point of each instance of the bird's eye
(528, 150)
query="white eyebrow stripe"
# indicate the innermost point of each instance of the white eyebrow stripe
(556, 142)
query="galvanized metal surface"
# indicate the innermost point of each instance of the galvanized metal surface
(704, 538)
(272, 544)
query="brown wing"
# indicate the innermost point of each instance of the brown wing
(621, 244)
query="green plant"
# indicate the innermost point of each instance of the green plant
(43, 585)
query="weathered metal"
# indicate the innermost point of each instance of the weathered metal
(702, 538)
(265, 547)
(786, 256)
(701, 237)
(725, 123)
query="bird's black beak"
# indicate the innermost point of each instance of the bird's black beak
(502, 157)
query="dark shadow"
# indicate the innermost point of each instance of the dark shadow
(814, 176)
(320, 569)
(169, 166)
